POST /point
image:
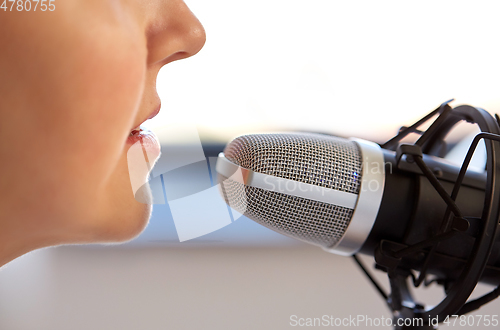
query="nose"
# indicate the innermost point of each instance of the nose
(173, 33)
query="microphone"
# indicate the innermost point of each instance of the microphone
(306, 186)
(403, 204)
(347, 195)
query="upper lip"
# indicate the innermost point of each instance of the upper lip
(151, 116)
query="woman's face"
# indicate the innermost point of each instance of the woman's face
(74, 82)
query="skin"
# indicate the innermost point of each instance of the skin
(73, 84)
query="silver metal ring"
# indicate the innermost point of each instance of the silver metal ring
(369, 199)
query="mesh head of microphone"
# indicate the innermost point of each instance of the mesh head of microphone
(320, 160)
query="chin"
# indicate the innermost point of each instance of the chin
(121, 221)
(123, 214)
(128, 225)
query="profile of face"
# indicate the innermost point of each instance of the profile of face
(74, 83)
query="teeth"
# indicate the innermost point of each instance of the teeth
(135, 131)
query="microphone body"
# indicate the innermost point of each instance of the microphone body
(411, 211)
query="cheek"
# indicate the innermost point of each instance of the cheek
(110, 90)
(113, 89)
(111, 94)
(85, 93)
(103, 206)
(104, 103)
(71, 89)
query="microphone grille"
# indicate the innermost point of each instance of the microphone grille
(320, 160)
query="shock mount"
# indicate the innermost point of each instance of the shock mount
(389, 254)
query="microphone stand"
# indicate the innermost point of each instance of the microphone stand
(389, 255)
(407, 313)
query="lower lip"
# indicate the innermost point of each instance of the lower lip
(149, 143)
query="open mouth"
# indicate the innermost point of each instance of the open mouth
(147, 140)
(135, 131)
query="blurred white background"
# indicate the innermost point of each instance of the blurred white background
(352, 68)
(355, 68)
